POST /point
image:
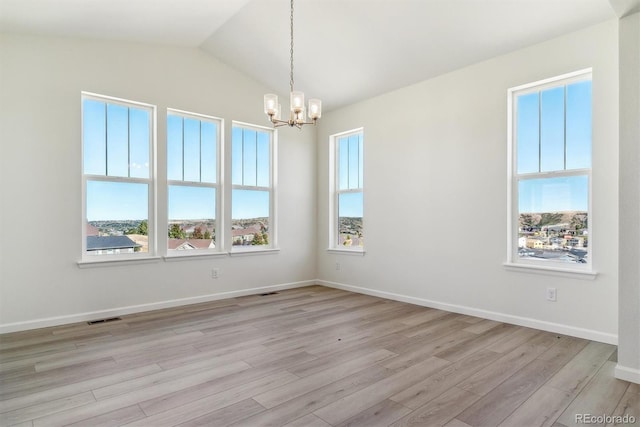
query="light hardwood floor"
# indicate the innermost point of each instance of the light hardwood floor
(313, 357)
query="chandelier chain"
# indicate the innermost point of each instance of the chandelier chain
(291, 51)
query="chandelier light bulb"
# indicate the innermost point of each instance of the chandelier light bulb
(315, 109)
(297, 101)
(270, 104)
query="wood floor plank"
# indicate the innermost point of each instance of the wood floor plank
(521, 336)
(456, 423)
(209, 404)
(628, 409)
(310, 356)
(428, 389)
(114, 418)
(541, 409)
(46, 408)
(600, 397)
(195, 373)
(381, 414)
(282, 394)
(309, 402)
(440, 410)
(361, 400)
(498, 404)
(227, 415)
(486, 379)
(48, 394)
(579, 371)
(309, 420)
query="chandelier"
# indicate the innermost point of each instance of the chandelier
(297, 110)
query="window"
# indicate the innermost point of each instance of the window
(347, 204)
(252, 196)
(118, 177)
(550, 170)
(192, 176)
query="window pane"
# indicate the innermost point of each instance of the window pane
(264, 160)
(250, 218)
(552, 130)
(249, 157)
(174, 147)
(527, 133)
(350, 208)
(117, 217)
(209, 144)
(94, 136)
(192, 217)
(579, 125)
(361, 162)
(191, 150)
(354, 162)
(236, 156)
(343, 163)
(553, 219)
(139, 143)
(117, 140)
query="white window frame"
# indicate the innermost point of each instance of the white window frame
(151, 183)
(513, 259)
(335, 192)
(271, 189)
(219, 241)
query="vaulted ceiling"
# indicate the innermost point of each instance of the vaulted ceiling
(345, 50)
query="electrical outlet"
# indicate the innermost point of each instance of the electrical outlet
(337, 266)
(551, 294)
(215, 273)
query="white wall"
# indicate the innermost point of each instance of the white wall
(436, 192)
(629, 318)
(40, 179)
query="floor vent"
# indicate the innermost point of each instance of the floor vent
(110, 319)
(269, 293)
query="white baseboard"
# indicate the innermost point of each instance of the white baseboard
(491, 315)
(627, 374)
(121, 311)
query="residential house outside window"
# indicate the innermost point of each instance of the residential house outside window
(118, 177)
(347, 204)
(550, 172)
(253, 187)
(193, 152)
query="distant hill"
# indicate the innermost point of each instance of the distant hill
(577, 219)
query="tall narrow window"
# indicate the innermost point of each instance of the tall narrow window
(551, 172)
(347, 208)
(252, 178)
(192, 175)
(118, 177)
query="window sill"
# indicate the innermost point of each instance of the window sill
(554, 271)
(358, 252)
(254, 252)
(186, 256)
(112, 261)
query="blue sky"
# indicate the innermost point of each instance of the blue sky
(350, 175)
(116, 143)
(543, 147)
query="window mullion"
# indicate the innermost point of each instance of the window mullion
(564, 124)
(128, 142)
(106, 140)
(539, 131)
(182, 144)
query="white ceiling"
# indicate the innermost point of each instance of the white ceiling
(345, 50)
